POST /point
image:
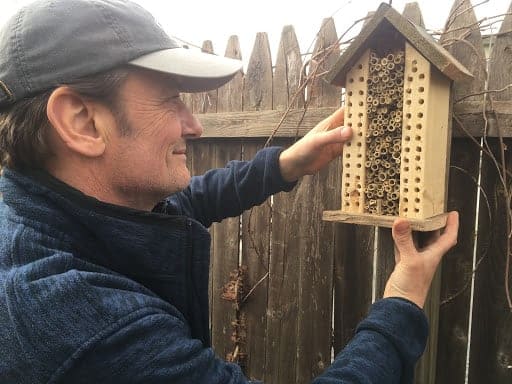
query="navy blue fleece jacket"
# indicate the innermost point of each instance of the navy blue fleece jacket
(95, 293)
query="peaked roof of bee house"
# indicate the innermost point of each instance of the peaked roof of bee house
(385, 28)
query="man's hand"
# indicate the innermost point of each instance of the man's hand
(415, 268)
(316, 149)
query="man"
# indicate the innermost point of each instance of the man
(104, 251)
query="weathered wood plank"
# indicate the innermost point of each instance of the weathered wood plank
(263, 123)
(353, 263)
(283, 303)
(287, 73)
(256, 224)
(462, 38)
(201, 158)
(225, 235)
(491, 341)
(425, 372)
(412, 12)
(500, 75)
(457, 265)
(230, 94)
(205, 101)
(315, 242)
(282, 306)
(469, 119)
(224, 257)
(257, 95)
(320, 92)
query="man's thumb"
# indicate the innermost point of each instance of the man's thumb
(402, 235)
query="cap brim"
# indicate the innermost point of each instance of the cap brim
(196, 71)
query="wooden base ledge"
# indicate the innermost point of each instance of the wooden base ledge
(422, 225)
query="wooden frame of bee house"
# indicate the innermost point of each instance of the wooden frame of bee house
(397, 83)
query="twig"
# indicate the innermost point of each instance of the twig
(466, 284)
(453, 16)
(478, 23)
(254, 287)
(485, 92)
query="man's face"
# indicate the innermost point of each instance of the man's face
(148, 163)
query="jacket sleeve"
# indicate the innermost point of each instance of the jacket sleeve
(385, 348)
(227, 192)
(156, 348)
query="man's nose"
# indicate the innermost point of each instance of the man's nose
(190, 124)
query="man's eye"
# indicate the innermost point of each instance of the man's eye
(172, 100)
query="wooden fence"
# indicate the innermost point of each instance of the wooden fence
(287, 289)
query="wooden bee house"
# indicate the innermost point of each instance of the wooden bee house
(397, 83)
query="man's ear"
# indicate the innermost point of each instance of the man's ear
(73, 119)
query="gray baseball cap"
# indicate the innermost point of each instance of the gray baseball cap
(52, 42)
